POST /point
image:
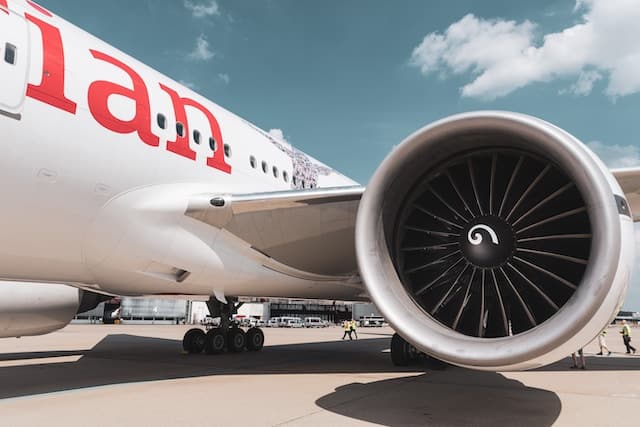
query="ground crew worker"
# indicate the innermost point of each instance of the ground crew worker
(346, 325)
(352, 326)
(626, 337)
(603, 344)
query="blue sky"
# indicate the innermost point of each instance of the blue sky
(347, 80)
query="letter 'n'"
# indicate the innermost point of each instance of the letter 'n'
(181, 144)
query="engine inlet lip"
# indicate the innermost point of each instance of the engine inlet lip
(387, 291)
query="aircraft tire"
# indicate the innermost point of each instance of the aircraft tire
(400, 351)
(236, 340)
(193, 341)
(255, 339)
(215, 341)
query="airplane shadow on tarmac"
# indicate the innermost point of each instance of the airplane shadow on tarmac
(451, 396)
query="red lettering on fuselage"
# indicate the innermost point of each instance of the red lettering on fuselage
(51, 88)
(181, 144)
(98, 98)
(40, 9)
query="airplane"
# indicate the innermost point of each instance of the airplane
(491, 240)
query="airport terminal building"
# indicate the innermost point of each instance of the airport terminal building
(169, 311)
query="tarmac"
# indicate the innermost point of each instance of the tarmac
(125, 375)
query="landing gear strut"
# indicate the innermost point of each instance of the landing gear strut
(404, 354)
(228, 336)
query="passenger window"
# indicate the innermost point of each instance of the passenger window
(252, 162)
(196, 136)
(275, 172)
(227, 150)
(10, 52)
(162, 121)
(180, 129)
(295, 181)
(285, 176)
(265, 168)
(303, 184)
(212, 144)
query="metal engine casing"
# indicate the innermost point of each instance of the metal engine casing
(600, 293)
(36, 308)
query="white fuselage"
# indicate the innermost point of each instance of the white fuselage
(85, 129)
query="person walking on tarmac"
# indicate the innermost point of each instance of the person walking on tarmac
(352, 326)
(346, 325)
(603, 344)
(626, 337)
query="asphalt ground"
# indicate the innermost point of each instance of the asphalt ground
(136, 375)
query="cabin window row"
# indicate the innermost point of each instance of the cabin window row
(276, 173)
(265, 168)
(196, 136)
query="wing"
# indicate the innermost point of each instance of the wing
(309, 230)
(629, 180)
(314, 230)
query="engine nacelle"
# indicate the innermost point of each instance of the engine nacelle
(495, 241)
(28, 308)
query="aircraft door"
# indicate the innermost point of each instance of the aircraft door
(14, 62)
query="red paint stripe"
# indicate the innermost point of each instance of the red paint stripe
(4, 6)
(39, 8)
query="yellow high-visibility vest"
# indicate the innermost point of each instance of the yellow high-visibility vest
(626, 331)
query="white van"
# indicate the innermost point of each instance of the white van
(291, 322)
(282, 321)
(274, 322)
(314, 322)
(372, 321)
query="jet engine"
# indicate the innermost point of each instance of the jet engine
(495, 241)
(28, 308)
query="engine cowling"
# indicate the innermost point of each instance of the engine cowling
(495, 241)
(28, 308)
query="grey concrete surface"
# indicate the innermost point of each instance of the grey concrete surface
(96, 375)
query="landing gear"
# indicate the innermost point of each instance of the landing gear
(193, 341)
(226, 337)
(215, 341)
(235, 340)
(255, 339)
(404, 354)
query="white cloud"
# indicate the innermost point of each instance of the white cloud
(277, 134)
(585, 83)
(506, 55)
(616, 156)
(224, 77)
(201, 52)
(201, 10)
